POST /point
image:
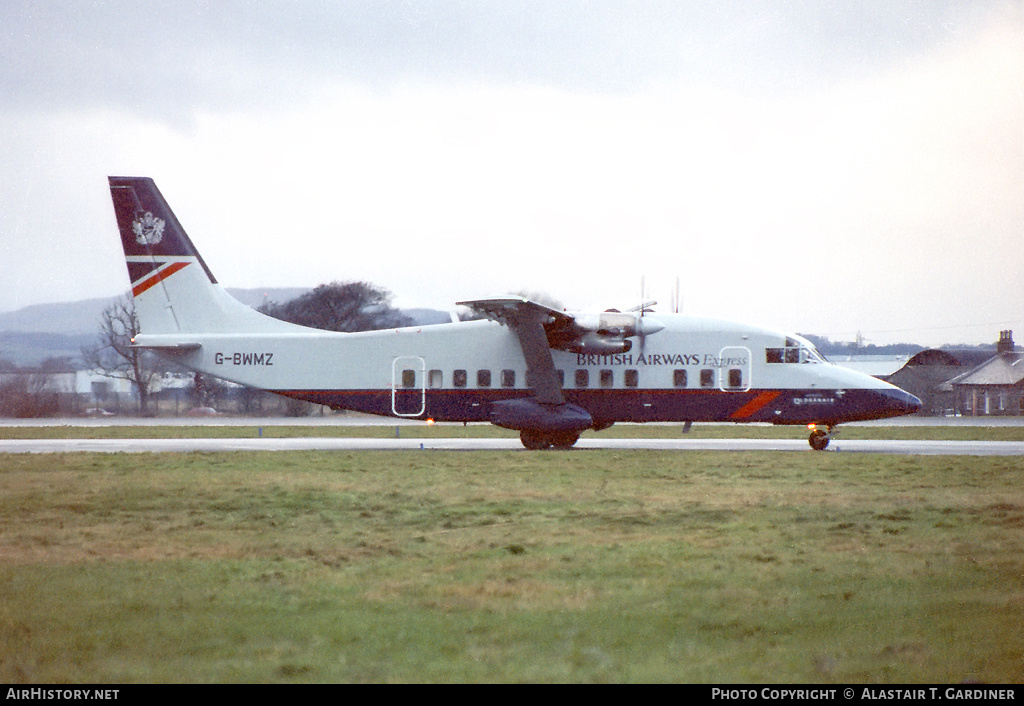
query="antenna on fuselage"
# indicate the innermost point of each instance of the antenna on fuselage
(645, 303)
(642, 296)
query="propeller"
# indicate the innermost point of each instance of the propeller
(641, 329)
(605, 333)
(641, 334)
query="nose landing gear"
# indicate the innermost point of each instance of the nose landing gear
(819, 437)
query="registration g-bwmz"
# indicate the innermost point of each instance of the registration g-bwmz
(548, 374)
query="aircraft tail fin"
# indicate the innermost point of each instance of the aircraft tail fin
(174, 290)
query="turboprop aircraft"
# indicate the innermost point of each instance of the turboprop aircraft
(548, 374)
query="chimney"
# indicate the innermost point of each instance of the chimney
(1005, 344)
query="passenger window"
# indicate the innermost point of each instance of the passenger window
(607, 378)
(483, 378)
(632, 378)
(679, 378)
(508, 378)
(707, 377)
(408, 378)
(582, 378)
(560, 376)
(735, 377)
(459, 378)
(435, 379)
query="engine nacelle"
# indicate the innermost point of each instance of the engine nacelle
(597, 344)
(601, 334)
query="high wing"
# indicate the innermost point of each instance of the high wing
(545, 419)
(541, 328)
(530, 321)
(548, 417)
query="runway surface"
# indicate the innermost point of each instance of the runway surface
(407, 440)
(953, 448)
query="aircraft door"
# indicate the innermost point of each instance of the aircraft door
(734, 369)
(408, 386)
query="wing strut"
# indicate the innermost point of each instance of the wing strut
(527, 319)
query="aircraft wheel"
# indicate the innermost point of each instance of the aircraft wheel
(534, 440)
(819, 440)
(565, 440)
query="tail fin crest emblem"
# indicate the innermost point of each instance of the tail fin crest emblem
(148, 229)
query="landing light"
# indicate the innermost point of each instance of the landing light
(430, 422)
(812, 427)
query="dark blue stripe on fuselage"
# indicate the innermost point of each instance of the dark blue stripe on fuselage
(788, 407)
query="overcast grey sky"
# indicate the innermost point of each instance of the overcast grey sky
(824, 167)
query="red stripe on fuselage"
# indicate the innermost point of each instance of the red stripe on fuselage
(156, 277)
(755, 405)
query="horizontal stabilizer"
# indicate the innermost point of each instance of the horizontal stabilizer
(169, 348)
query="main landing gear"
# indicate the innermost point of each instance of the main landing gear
(820, 438)
(536, 440)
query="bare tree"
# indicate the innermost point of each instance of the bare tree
(116, 355)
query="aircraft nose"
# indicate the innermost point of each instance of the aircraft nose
(901, 402)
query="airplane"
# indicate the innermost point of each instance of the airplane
(548, 374)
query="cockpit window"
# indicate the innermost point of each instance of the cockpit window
(795, 351)
(810, 354)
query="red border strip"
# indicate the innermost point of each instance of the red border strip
(157, 277)
(755, 405)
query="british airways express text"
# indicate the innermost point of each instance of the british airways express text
(675, 359)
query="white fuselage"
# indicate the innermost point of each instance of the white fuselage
(692, 369)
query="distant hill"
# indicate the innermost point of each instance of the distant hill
(68, 318)
(82, 317)
(30, 335)
(28, 349)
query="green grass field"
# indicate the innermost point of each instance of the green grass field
(588, 566)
